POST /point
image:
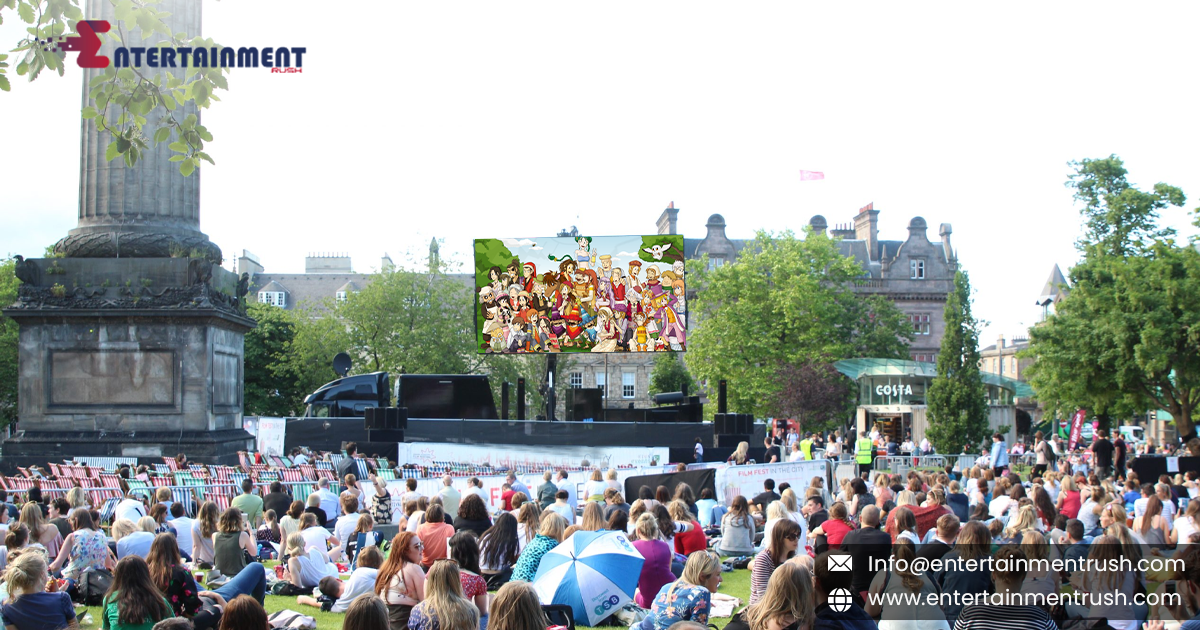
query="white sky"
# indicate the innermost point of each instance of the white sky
(514, 119)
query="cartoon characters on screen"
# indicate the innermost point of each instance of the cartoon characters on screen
(583, 302)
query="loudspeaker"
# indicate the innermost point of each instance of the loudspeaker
(504, 400)
(520, 399)
(662, 415)
(396, 418)
(583, 404)
(731, 440)
(743, 424)
(373, 418)
(721, 397)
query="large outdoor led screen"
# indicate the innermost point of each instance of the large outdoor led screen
(580, 294)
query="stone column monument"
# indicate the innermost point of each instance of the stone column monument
(131, 338)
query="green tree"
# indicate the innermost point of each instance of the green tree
(669, 374)
(271, 383)
(1123, 339)
(784, 301)
(958, 410)
(319, 336)
(140, 108)
(8, 344)
(1119, 219)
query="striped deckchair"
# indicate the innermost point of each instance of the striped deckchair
(107, 508)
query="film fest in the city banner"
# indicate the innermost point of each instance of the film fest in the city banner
(580, 294)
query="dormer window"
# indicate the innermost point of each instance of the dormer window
(340, 296)
(917, 266)
(273, 298)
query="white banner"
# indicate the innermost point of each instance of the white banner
(537, 457)
(748, 480)
(492, 486)
(270, 436)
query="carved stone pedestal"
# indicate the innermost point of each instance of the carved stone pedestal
(133, 357)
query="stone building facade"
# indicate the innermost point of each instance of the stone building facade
(916, 274)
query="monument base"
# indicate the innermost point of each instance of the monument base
(128, 357)
(27, 448)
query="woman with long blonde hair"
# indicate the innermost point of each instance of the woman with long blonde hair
(690, 597)
(1106, 582)
(1024, 520)
(593, 517)
(516, 607)
(739, 455)
(529, 519)
(203, 529)
(1039, 578)
(788, 600)
(77, 497)
(40, 531)
(550, 533)
(29, 605)
(444, 607)
(899, 586)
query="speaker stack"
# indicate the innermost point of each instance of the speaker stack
(385, 424)
(584, 404)
(732, 428)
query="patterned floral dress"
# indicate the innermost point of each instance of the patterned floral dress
(678, 601)
(88, 551)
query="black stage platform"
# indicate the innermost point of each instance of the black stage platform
(330, 433)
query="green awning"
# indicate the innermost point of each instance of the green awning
(858, 368)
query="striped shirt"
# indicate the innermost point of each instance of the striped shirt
(989, 617)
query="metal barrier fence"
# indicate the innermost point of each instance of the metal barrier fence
(901, 464)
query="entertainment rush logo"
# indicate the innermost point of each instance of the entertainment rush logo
(86, 41)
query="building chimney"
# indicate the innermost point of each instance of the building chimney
(945, 231)
(1000, 343)
(668, 219)
(866, 228)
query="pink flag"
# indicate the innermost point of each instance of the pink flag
(811, 175)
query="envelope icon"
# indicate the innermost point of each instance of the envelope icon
(841, 563)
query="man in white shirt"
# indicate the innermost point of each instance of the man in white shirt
(564, 484)
(450, 497)
(410, 485)
(300, 458)
(129, 508)
(347, 521)
(562, 507)
(329, 501)
(475, 486)
(183, 525)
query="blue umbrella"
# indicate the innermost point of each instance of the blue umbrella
(595, 573)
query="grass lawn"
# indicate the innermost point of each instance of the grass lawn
(736, 583)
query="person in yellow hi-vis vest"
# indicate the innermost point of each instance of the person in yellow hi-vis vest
(864, 453)
(806, 446)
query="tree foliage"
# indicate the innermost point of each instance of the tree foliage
(271, 386)
(139, 108)
(784, 301)
(405, 321)
(8, 344)
(1127, 336)
(957, 400)
(669, 374)
(814, 393)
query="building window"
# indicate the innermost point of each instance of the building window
(924, 358)
(920, 323)
(628, 385)
(601, 384)
(917, 266)
(576, 380)
(273, 298)
(340, 296)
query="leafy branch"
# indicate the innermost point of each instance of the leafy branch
(139, 110)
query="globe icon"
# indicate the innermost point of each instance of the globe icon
(840, 600)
